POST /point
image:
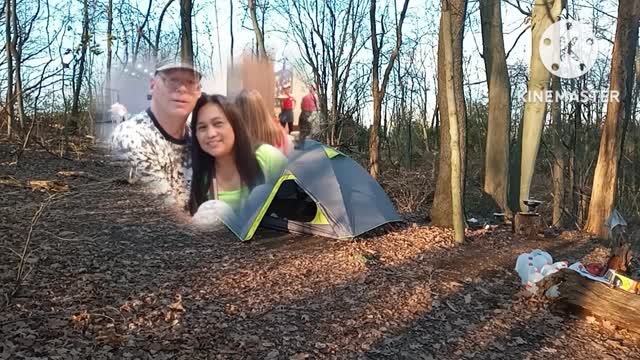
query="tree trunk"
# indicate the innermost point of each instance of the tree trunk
(378, 91)
(75, 107)
(594, 298)
(140, 32)
(9, 102)
(156, 47)
(558, 158)
(108, 99)
(496, 174)
(452, 116)
(545, 13)
(231, 31)
(186, 34)
(628, 112)
(262, 51)
(605, 177)
(441, 212)
(17, 59)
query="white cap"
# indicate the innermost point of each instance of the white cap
(178, 65)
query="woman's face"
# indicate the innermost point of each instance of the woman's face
(214, 132)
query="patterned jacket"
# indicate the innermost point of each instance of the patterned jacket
(155, 158)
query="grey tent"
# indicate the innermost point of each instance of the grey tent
(321, 192)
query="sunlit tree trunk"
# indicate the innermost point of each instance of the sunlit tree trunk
(456, 173)
(441, 212)
(606, 173)
(496, 174)
(545, 13)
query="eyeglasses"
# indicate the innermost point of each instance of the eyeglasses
(174, 84)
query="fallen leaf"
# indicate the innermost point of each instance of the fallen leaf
(273, 354)
(608, 325)
(48, 185)
(299, 356)
(549, 350)
(467, 299)
(519, 340)
(10, 182)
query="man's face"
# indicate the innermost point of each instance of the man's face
(175, 92)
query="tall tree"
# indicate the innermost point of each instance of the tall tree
(377, 89)
(606, 173)
(329, 35)
(496, 164)
(186, 33)
(442, 209)
(9, 102)
(16, 48)
(156, 47)
(75, 107)
(452, 116)
(109, 50)
(544, 14)
(262, 52)
(558, 156)
(140, 32)
(231, 31)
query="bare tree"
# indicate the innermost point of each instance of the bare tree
(496, 174)
(558, 156)
(328, 34)
(75, 107)
(545, 13)
(8, 47)
(156, 46)
(109, 49)
(262, 52)
(186, 34)
(377, 89)
(606, 173)
(140, 32)
(442, 210)
(231, 31)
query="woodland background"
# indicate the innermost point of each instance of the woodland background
(385, 86)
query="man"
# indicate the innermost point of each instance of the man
(156, 142)
(308, 107)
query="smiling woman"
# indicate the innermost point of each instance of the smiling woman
(226, 164)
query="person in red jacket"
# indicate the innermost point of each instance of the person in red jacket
(308, 107)
(287, 103)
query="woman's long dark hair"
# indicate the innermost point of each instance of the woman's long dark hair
(203, 164)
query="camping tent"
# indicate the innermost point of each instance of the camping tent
(321, 192)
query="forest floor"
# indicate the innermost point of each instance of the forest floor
(110, 273)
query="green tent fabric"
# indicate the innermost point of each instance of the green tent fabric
(321, 192)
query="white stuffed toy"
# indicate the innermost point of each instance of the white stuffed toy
(119, 113)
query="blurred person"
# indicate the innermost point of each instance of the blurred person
(260, 122)
(308, 106)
